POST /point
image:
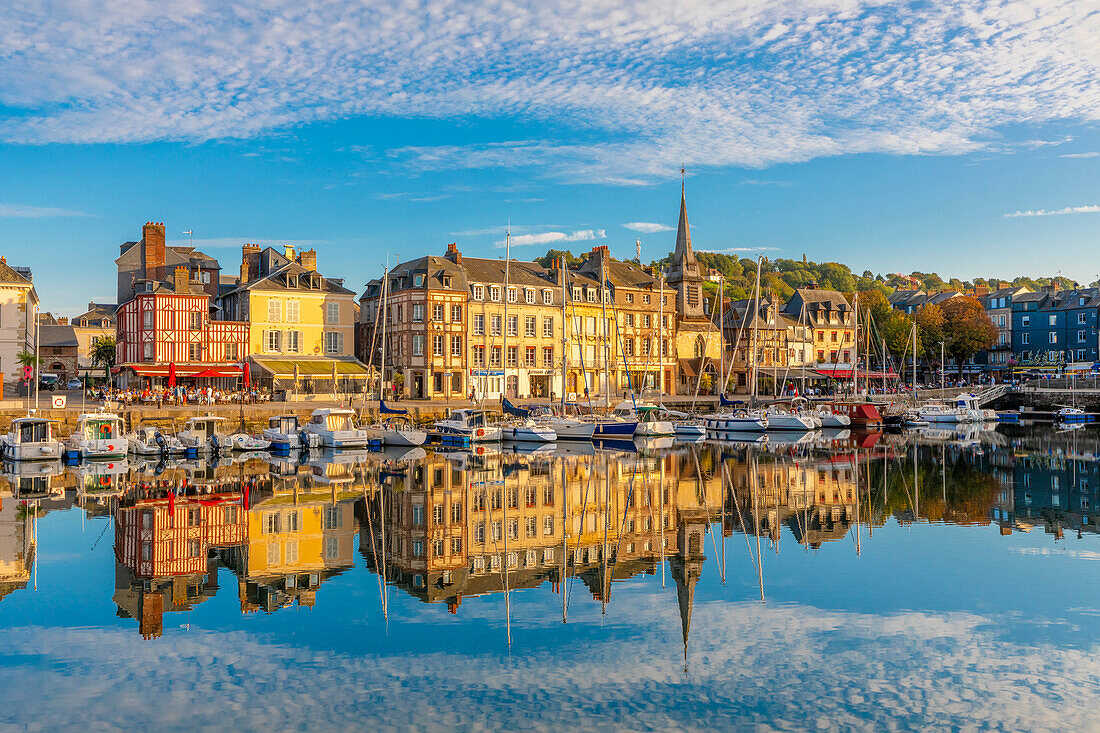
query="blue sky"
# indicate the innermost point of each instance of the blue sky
(889, 136)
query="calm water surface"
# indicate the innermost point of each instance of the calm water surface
(939, 580)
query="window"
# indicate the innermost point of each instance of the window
(529, 357)
(333, 519)
(418, 313)
(548, 525)
(148, 351)
(529, 325)
(437, 548)
(494, 293)
(591, 325)
(147, 319)
(292, 308)
(513, 295)
(645, 299)
(437, 345)
(418, 548)
(274, 310)
(418, 344)
(513, 355)
(1081, 336)
(495, 325)
(630, 297)
(645, 320)
(273, 341)
(495, 356)
(548, 357)
(456, 346)
(334, 342)
(547, 297)
(418, 281)
(271, 523)
(1053, 337)
(456, 545)
(479, 356)
(576, 293)
(1052, 320)
(628, 320)
(1025, 338)
(273, 553)
(194, 352)
(332, 548)
(1080, 319)
(479, 292)
(456, 314)
(590, 295)
(437, 312)
(479, 533)
(231, 352)
(547, 326)
(513, 325)
(628, 347)
(513, 529)
(292, 344)
(479, 325)
(1025, 321)
(532, 527)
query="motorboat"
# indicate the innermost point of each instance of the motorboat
(98, 435)
(337, 428)
(30, 438)
(793, 419)
(969, 403)
(940, 413)
(528, 430)
(472, 424)
(1071, 415)
(649, 422)
(246, 442)
(284, 433)
(830, 418)
(148, 440)
(737, 421)
(566, 427)
(203, 434)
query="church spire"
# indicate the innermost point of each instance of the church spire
(683, 253)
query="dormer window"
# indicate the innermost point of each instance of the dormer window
(292, 281)
(513, 296)
(84, 322)
(547, 297)
(590, 295)
(418, 281)
(494, 293)
(529, 295)
(447, 280)
(576, 293)
(479, 292)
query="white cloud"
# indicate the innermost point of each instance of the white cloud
(648, 227)
(1090, 154)
(1055, 212)
(625, 91)
(20, 211)
(582, 235)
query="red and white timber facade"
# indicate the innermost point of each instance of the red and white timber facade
(162, 327)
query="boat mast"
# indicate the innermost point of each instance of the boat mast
(755, 326)
(385, 314)
(661, 337)
(721, 339)
(564, 345)
(914, 362)
(606, 346)
(855, 339)
(507, 262)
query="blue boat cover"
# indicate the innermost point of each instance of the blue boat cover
(511, 409)
(728, 403)
(385, 409)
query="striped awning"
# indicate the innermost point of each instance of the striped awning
(316, 368)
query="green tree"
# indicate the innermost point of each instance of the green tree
(103, 354)
(876, 303)
(547, 260)
(28, 359)
(930, 330)
(967, 328)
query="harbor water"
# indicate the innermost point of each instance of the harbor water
(940, 579)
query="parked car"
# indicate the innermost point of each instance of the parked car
(74, 383)
(47, 381)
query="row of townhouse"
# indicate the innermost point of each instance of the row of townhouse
(294, 327)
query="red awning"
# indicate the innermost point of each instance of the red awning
(848, 372)
(184, 370)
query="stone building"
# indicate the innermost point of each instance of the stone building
(59, 349)
(18, 306)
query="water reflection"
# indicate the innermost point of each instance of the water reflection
(843, 539)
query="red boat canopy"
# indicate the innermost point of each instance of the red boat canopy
(182, 370)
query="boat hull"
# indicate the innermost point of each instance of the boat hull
(615, 429)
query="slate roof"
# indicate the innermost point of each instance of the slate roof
(274, 281)
(1070, 299)
(8, 275)
(57, 337)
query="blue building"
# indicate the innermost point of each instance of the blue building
(1056, 330)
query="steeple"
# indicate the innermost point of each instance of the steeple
(683, 232)
(683, 271)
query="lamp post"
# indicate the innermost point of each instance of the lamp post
(943, 368)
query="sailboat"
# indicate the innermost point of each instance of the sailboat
(567, 427)
(397, 429)
(610, 425)
(740, 420)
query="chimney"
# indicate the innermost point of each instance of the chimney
(811, 286)
(308, 259)
(600, 254)
(153, 249)
(63, 320)
(250, 263)
(453, 254)
(182, 279)
(289, 252)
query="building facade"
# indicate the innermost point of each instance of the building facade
(831, 318)
(18, 308)
(150, 258)
(98, 322)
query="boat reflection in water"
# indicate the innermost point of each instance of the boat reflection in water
(546, 534)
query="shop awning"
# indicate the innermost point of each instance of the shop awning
(848, 373)
(199, 371)
(321, 368)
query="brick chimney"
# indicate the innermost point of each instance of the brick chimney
(250, 263)
(153, 249)
(600, 253)
(288, 251)
(63, 320)
(453, 254)
(182, 280)
(308, 259)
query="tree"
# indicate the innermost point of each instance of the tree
(547, 260)
(103, 354)
(967, 329)
(930, 329)
(876, 303)
(898, 332)
(28, 359)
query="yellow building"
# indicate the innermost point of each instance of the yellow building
(296, 316)
(96, 323)
(18, 305)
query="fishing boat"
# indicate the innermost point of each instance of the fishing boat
(98, 435)
(337, 429)
(285, 433)
(203, 434)
(397, 429)
(472, 424)
(149, 440)
(30, 438)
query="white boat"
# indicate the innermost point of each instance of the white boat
(150, 441)
(528, 430)
(683, 424)
(1071, 415)
(738, 421)
(939, 413)
(337, 429)
(400, 431)
(285, 433)
(203, 434)
(830, 419)
(571, 428)
(98, 435)
(968, 403)
(244, 441)
(30, 439)
(471, 424)
(779, 419)
(650, 425)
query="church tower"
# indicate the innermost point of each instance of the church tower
(683, 272)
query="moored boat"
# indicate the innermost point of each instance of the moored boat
(30, 438)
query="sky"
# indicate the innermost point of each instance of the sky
(956, 136)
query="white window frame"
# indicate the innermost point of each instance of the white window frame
(479, 292)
